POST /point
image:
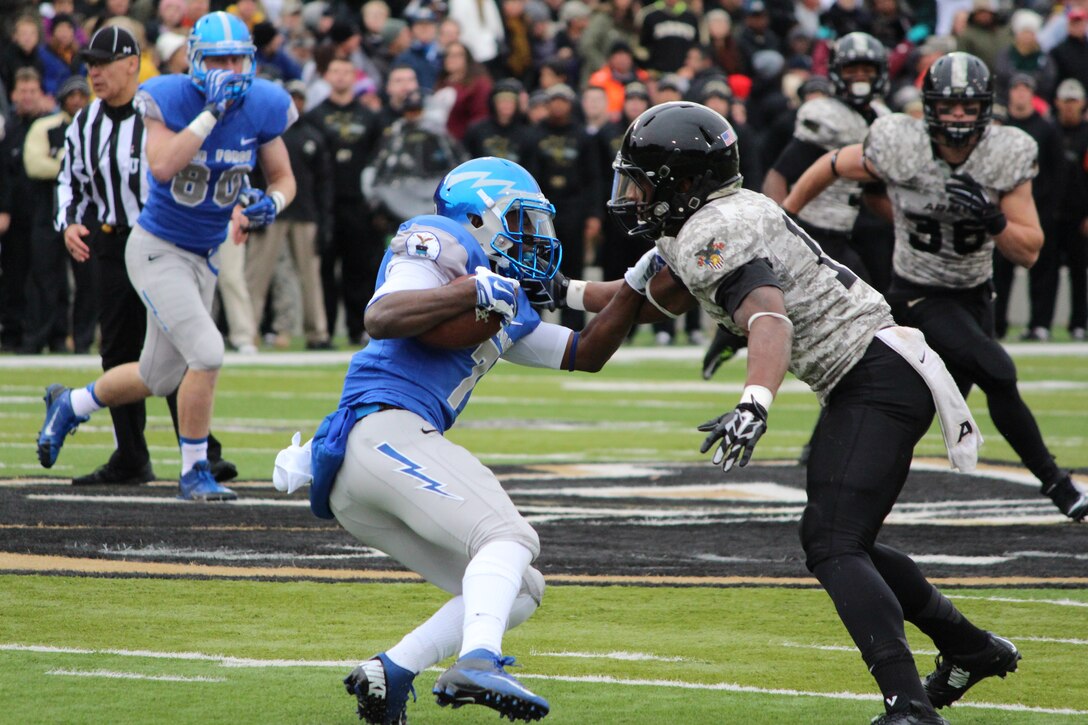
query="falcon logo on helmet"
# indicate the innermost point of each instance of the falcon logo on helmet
(222, 34)
(501, 205)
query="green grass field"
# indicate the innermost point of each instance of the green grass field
(740, 655)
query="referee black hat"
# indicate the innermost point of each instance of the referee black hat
(110, 44)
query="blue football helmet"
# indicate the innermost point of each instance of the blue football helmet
(500, 204)
(221, 34)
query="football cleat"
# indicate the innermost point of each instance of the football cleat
(954, 676)
(917, 714)
(382, 688)
(1068, 497)
(200, 485)
(60, 421)
(478, 678)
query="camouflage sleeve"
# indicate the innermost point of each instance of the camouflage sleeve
(891, 148)
(1018, 158)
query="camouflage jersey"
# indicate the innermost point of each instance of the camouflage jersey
(835, 315)
(938, 243)
(831, 124)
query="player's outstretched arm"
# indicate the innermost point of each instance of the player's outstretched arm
(1022, 237)
(276, 166)
(847, 162)
(595, 296)
(590, 349)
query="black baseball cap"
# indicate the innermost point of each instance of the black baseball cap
(110, 44)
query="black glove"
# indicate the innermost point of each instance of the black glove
(971, 195)
(723, 347)
(547, 294)
(738, 430)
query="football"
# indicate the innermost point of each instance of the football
(467, 329)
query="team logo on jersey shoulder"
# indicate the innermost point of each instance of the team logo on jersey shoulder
(423, 244)
(711, 255)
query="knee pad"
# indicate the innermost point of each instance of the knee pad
(814, 541)
(518, 531)
(532, 585)
(206, 353)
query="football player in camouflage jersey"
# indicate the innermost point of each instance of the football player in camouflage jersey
(736, 254)
(958, 187)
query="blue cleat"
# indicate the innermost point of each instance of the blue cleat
(60, 420)
(200, 485)
(478, 678)
(382, 688)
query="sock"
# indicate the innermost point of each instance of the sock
(193, 450)
(84, 401)
(893, 668)
(491, 584)
(434, 640)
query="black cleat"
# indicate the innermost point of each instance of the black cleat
(1068, 497)
(723, 347)
(110, 475)
(222, 471)
(916, 715)
(954, 676)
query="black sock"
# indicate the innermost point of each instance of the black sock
(892, 666)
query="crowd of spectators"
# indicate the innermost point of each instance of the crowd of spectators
(401, 90)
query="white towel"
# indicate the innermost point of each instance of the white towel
(961, 434)
(293, 468)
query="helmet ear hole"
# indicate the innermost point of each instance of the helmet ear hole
(475, 220)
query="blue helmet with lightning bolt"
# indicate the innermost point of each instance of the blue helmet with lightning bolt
(500, 204)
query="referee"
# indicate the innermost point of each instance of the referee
(104, 168)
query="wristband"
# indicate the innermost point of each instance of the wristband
(203, 124)
(576, 293)
(277, 199)
(834, 158)
(996, 225)
(757, 394)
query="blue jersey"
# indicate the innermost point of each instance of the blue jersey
(192, 210)
(432, 383)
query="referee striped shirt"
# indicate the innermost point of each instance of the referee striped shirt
(104, 166)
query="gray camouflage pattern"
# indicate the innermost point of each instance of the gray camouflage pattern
(830, 124)
(835, 315)
(937, 243)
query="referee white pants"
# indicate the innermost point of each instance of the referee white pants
(426, 502)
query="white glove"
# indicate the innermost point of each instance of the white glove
(497, 293)
(292, 470)
(640, 274)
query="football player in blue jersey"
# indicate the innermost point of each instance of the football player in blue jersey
(205, 132)
(382, 467)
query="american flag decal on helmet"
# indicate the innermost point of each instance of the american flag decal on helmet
(729, 136)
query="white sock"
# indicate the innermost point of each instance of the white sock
(84, 401)
(490, 586)
(193, 451)
(433, 641)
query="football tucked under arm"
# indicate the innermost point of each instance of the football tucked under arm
(465, 329)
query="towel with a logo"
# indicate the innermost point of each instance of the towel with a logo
(961, 435)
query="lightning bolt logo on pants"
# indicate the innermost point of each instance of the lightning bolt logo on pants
(415, 470)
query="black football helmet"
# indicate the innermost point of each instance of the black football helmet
(672, 157)
(957, 77)
(851, 49)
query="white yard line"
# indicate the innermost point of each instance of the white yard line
(110, 674)
(588, 679)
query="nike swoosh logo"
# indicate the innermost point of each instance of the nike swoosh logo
(922, 359)
(153, 257)
(247, 141)
(49, 425)
(912, 303)
(424, 431)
